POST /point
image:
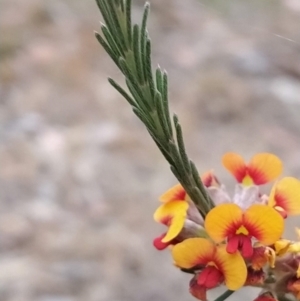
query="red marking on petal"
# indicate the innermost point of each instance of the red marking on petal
(180, 195)
(166, 220)
(258, 176)
(210, 277)
(240, 174)
(240, 242)
(281, 201)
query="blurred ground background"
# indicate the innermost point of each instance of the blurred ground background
(79, 176)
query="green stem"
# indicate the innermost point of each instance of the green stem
(225, 295)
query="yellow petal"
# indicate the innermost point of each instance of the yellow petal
(281, 246)
(264, 223)
(222, 220)
(167, 211)
(294, 248)
(264, 167)
(285, 194)
(235, 164)
(177, 192)
(232, 266)
(175, 228)
(192, 252)
(173, 215)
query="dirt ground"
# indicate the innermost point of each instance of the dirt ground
(79, 176)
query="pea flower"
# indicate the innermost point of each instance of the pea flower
(180, 215)
(212, 265)
(261, 169)
(239, 242)
(285, 196)
(229, 221)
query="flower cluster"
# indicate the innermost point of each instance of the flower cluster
(239, 242)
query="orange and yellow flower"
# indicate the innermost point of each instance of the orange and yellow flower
(175, 193)
(261, 169)
(212, 264)
(171, 213)
(285, 196)
(240, 241)
(228, 221)
(180, 215)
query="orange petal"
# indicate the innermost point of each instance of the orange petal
(264, 223)
(192, 252)
(175, 193)
(235, 164)
(285, 194)
(223, 220)
(232, 266)
(264, 168)
(172, 214)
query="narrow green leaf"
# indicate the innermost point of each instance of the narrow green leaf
(206, 198)
(110, 40)
(198, 200)
(106, 14)
(166, 101)
(139, 98)
(161, 115)
(181, 147)
(159, 80)
(107, 48)
(128, 19)
(121, 4)
(122, 92)
(148, 67)
(145, 17)
(116, 25)
(137, 54)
